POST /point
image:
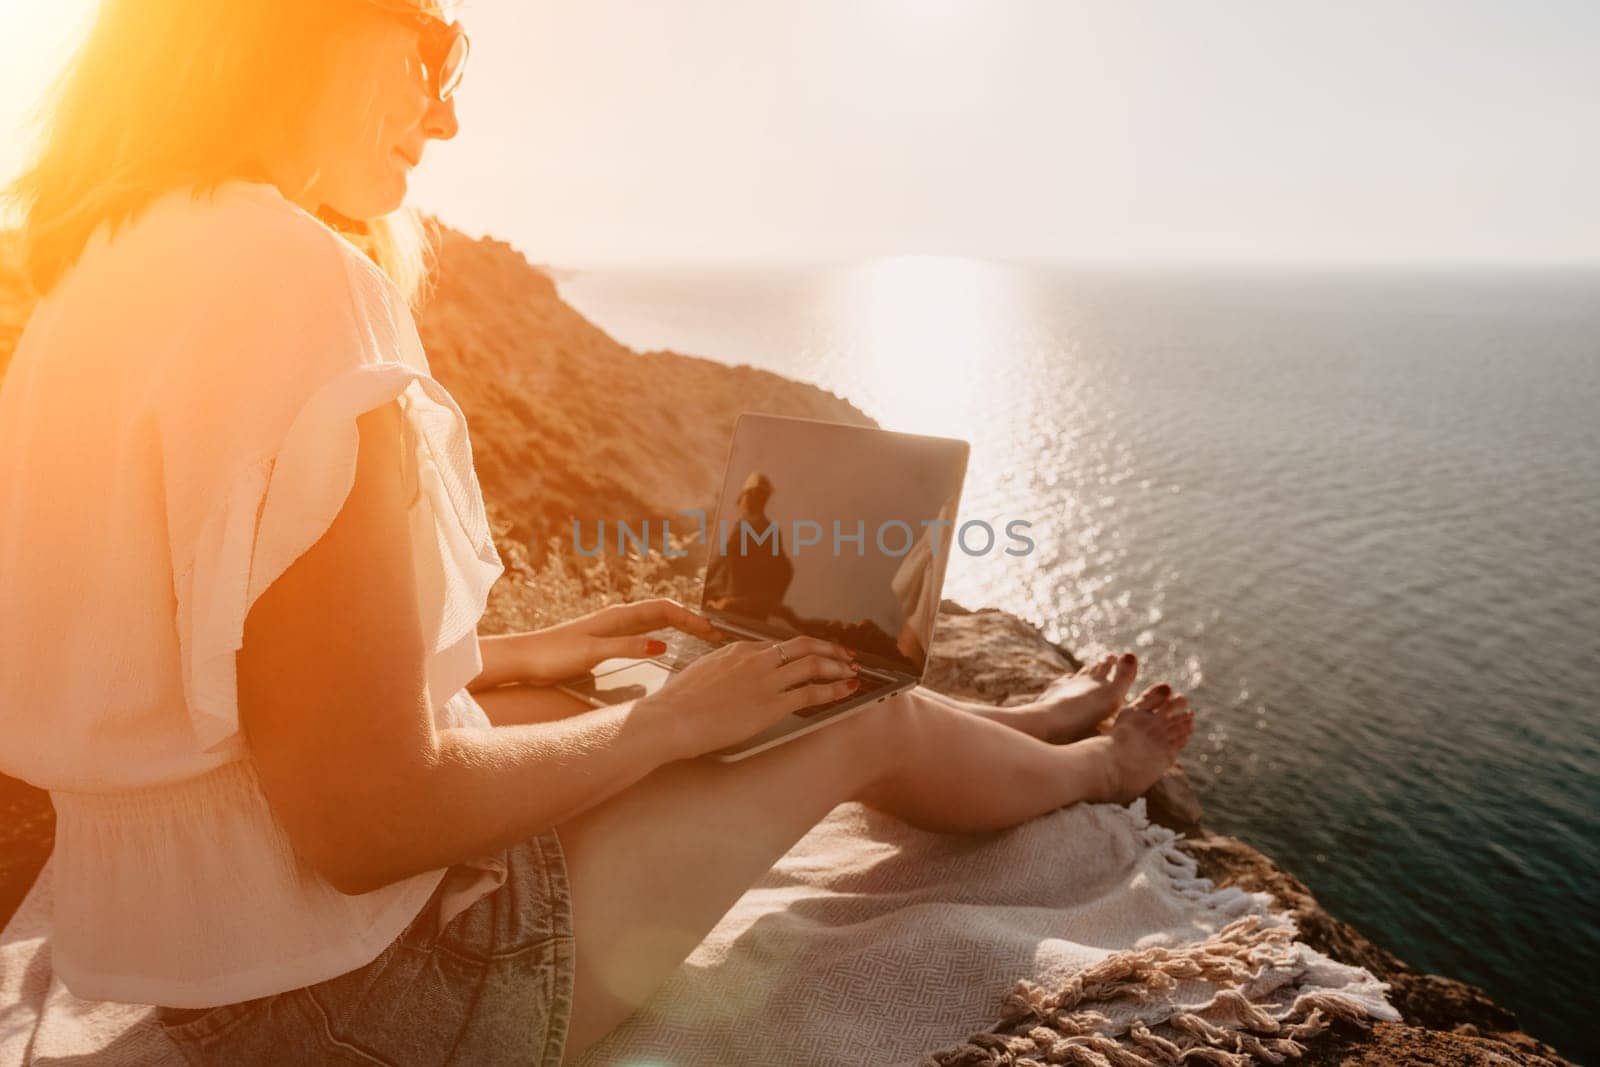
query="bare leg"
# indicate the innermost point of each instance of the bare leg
(507, 705)
(1074, 706)
(655, 867)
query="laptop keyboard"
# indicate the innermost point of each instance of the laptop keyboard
(868, 687)
(682, 648)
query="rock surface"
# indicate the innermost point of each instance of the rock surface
(566, 422)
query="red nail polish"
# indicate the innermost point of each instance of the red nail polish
(854, 683)
(655, 648)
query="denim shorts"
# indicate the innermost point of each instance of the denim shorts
(494, 986)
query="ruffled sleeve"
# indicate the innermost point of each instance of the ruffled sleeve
(294, 338)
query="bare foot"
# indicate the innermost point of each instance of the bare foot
(1072, 706)
(1144, 741)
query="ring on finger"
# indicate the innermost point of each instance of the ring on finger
(783, 660)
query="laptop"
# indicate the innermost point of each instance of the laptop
(841, 532)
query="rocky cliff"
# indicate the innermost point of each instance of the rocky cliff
(566, 422)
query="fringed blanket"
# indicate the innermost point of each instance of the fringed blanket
(1082, 937)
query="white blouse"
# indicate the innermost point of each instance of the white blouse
(177, 426)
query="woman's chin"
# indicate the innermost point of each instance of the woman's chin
(390, 193)
(401, 186)
(379, 195)
(400, 170)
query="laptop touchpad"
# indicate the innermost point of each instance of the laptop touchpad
(630, 683)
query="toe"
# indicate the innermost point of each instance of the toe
(1174, 711)
(1152, 698)
(1179, 733)
(1102, 670)
(1177, 722)
(1122, 677)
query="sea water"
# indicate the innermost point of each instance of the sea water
(1354, 514)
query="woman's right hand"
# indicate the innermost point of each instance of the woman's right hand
(739, 690)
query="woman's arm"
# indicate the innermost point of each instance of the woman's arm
(568, 649)
(504, 660)
(333, 700)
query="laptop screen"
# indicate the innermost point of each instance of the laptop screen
(842, 532)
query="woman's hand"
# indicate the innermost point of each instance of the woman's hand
(556, 653)
(739, 690)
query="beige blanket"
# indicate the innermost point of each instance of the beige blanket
(875, 943)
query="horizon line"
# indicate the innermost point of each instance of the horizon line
(1331, 264)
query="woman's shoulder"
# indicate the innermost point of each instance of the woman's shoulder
(232, 299)
(240, 270)
(229, 241)
(233, 264)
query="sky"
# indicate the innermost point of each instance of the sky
(612, 132)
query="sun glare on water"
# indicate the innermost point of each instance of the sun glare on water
(926, 332)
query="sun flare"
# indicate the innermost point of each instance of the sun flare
(36, 40)
(928, 332)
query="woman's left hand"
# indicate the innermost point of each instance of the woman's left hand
(571, 648)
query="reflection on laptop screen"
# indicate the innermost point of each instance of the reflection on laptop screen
(838, 531)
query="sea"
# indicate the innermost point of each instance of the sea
(1353, 513)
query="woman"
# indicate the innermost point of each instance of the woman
(245, 555)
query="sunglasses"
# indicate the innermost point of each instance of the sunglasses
(442, 45)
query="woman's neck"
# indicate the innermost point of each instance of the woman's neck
(300, 193)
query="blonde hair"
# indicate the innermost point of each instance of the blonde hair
(166, 94)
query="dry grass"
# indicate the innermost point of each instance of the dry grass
(564, 584)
